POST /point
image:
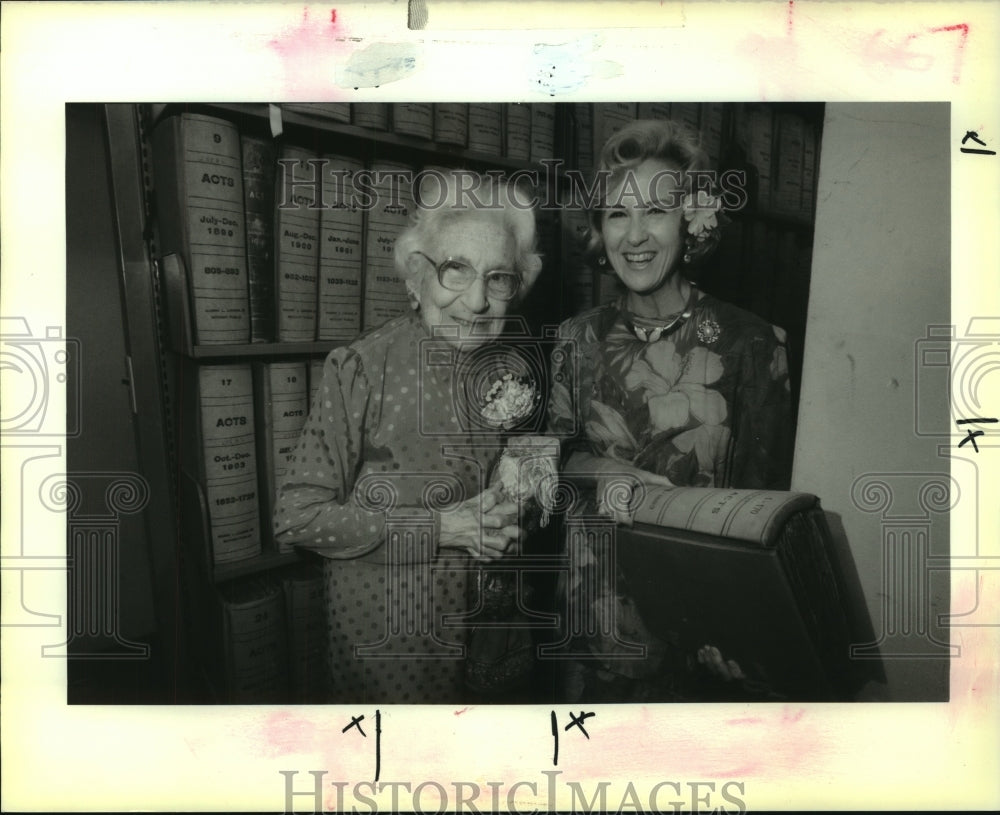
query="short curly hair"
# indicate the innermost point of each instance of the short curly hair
(462, 193)
(674, 143)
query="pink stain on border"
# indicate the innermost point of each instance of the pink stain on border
(960, 53)
(308, 50)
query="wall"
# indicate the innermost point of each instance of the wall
(880, 278)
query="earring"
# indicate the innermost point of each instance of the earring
(414, 302)
(687, 257)
(602, 261)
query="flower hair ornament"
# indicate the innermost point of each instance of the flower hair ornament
(703, 213)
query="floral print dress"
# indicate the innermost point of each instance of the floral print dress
(707, 406)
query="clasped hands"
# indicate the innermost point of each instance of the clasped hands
(483, 526)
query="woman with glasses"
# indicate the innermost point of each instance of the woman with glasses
(389, 480)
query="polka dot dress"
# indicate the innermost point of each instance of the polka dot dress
(384, 439)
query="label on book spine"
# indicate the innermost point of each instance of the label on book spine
(254, 627)
(384, 293)
(287, 403)
(518, 131)
(451, 123)
(413, 119)
(227, 431)
(297, 240)
(199, 183)
(485, 132)
(654, 110)
(258, 197)
(373, 115)
(340, 234)
(305, 615)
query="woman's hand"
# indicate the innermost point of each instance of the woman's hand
(482, 526)
(726, 669)
(611, 487)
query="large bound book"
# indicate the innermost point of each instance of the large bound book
(258, 198)
(485, 131)
(198, 182)
(229, 471)
(283, 389)
(654, 110)
(384, 293)
(809, 149)
(711, 132)
(517, 141)
(340, 234)
(253, 638)
(543, 130)
(373, 115)
(451, 123)
(297, 246)
(787, 193)
(305, 618)
(327, 111)
(758, 128)
(749, 572)
(609, 118)
(583, 139)
(316, 367)
(413, 119)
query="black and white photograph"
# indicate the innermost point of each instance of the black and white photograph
(633, 454)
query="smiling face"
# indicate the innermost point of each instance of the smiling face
(481, 241)
(642, 226)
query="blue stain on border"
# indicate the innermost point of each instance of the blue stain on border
(565, 67)
(379, 64)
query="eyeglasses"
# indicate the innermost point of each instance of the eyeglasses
(455, 275)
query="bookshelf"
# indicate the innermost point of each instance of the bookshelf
(762, 265)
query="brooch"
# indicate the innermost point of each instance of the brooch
(708, 331)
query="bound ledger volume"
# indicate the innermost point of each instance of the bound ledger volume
(340, 233)
(385, 295)
(258, 196)
(256, 650)
(198, 182)
(284, 401)
(225, 394)
(749, 572)
(485, 131)
(518, 131)
(305, 616)
(297, 242)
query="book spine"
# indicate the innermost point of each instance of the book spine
(258, 198)
(384, 292)
(451, 123)
(583, 137)
(305, 615)
(254, 628)
(711, 132)
(285, 401)
(808, 201)
(609, 118)
(340, 240)
(543, 131)
(517, 131)
(760, 137)
(654, 110)
(199, 192)
(316, 367)
(330, 111)
(373, 115)
(485, 129)
(413, 119)
(297, 241)
(788, 170)
(686, 113)
(227, 433)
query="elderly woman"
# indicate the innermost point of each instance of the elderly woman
(667, 385)
(389, 480)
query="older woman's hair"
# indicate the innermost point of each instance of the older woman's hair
(674, 143)
(448, 195)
